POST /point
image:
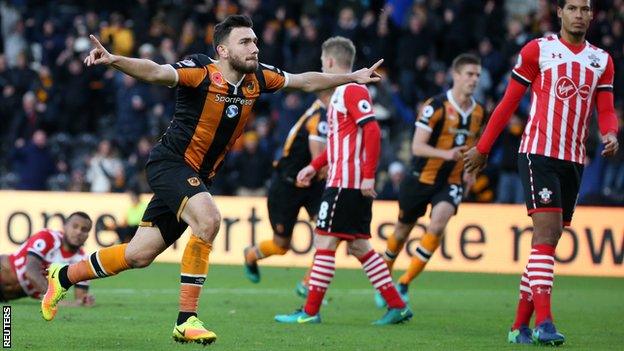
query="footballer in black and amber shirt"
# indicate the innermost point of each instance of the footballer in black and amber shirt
(214, 101)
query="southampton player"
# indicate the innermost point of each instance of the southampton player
(305, 141)
(567, 76)
(353, 146)
(447, 125)
(214, 101)
(23, 273)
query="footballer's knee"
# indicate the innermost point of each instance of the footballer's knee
(139, 259)
(282, 243)
(436, 228)
(402, 231)
(208, 226)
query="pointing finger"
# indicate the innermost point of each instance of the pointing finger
(95, 42)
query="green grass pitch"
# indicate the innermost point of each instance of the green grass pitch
(453, 311)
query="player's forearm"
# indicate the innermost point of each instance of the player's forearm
(36, 278)
(143, 69)
(501, 115)
(426, 150)
(607, 120)
(372, 149)
(316, 81)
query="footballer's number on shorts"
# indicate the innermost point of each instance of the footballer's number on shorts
(456, 193)
(322, 215)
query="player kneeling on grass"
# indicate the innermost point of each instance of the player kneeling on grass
(447, 125)
(353, 145)
(23, 272)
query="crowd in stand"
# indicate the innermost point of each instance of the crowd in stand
(67, 127)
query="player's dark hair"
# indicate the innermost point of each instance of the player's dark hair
(223, 29)
(341, 49)
(561, 3)
(465, 59)
(80, 214)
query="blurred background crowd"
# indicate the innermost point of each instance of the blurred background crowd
(66, 127)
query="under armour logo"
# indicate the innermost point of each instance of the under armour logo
(541, 290)
(556, 55)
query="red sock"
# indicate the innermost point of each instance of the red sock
(322, 273)
(525, 304)
(541, 273)
(379, 275)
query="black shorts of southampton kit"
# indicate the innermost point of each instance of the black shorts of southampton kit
(285, 199)
(173, 183)
(345, 213)
(550, 184)
(415, 196)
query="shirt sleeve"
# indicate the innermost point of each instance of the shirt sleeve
(271, 79)
(359, 104)
(527, 66)
(40, 244)
(430, 114)
(317, 127)
(191, 71)
(605, 83)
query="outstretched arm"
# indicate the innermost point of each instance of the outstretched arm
(316, 81)
(143, 69)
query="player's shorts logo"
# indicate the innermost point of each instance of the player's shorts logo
(194, 181)
(565, 88)
(231, 111)
(544, 195)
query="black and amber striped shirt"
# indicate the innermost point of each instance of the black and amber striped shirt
(450, 127)
(211, 113)
(312, 125)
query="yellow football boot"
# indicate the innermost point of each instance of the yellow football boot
(54, 294)
(193, 330)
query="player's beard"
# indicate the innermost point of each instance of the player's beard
(242, 65)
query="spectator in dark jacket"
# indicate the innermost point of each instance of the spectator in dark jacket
(33, 162)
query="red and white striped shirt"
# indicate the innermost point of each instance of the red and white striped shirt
(350, 108)
(47, 245)
(564, 80)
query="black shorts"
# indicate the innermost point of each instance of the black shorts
(414, 197)
(284, 201)
(550, 184)
(173, 183)
(345, 213)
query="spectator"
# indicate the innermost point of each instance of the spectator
(132, 111)
(251, 167)
(132, 218)
(105, 173)
(32, 162)
(396, 173)
(509, 190)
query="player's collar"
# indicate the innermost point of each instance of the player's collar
(574, 48)
(451, 99)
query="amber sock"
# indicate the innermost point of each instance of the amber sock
(193, 272)
(100, 264)
(428, 244)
